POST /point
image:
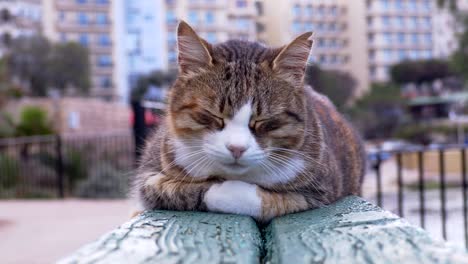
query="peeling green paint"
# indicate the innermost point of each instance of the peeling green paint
(349, 231)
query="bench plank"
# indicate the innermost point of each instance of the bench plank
(353, 231)
(176, 237)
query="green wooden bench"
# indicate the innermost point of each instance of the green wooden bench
(349, 231)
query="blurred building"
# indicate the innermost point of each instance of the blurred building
(18, 18)
(214, 20)
(339, 31)
(93, 24)
(400, 30)
(144, 36)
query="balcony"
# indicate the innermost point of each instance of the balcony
(83, 28)
(64, 5)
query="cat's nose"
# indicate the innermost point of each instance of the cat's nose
(236, 151)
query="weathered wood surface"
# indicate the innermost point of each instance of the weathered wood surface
(176, 237)
(353, 231)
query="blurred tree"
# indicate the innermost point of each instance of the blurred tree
(419, 72)
(156, 78)
(29, 61)
(33, 121)
(70, 67)
(378, 113)
(460, 57)
(338, 86)
(42, 65)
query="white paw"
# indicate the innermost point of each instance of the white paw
(234, 197)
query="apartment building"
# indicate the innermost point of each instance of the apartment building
(338, 26)
(398, 30)
(214, 20)
(93, 24)
(18, 18)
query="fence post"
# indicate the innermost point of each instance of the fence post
(59, 166)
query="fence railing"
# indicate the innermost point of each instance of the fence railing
(66, 165)
(424, 176)
(428, 186)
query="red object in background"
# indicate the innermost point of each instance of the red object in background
(151, 119)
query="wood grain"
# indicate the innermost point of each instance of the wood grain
(176, 237)
(353, 231)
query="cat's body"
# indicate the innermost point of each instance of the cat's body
(243, 135)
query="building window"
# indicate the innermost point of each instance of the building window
(414, 22)
(83, 40)
(241, 3)
(211, 37)
(82, 19)
(309, 26)
(296, 27)
(388, 55)
(101, 19)
(388, 38)
(402, 54)
(104, 40)
(334, 10)
(170, 17)
(104, 61)
(210, 18)
(309, 11)
(102, 2)
(323, 59)
(332, 27)
(63, 37)
(401, 38)
(428, 38)
(400, 21)
(321, 42)
(415, 38)
(105, 81)
(399, 5)
(412, 5)
(427, 22)
(386, 21)
(296, 10)
(259, 7)
(61, 16)
(193, 17)
(321, 10)
(81, 1)
(172, 56)
(386, 4)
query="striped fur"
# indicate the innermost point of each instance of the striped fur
(310, 156)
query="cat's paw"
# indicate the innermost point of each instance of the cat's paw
(235, 197)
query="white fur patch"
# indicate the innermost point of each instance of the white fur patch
(234, 197)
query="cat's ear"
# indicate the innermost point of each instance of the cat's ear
(291, 61)
(194, 52)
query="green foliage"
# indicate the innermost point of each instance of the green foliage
(379, 112)
(156, 78)
(9, 169)
(418, 72)
(338, 86)
(28, 59)
(33, 121)
(423, 133)
(69, 66)
(460, 57)
(104, 181)
(42, 65)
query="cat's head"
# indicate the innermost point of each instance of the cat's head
(237, 103)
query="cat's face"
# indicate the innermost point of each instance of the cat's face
(237, 105)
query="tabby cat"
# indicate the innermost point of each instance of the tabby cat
(244, 135)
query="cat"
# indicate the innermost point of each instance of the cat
(244, 135)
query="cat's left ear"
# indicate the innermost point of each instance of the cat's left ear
(291, 61)
(194, 52)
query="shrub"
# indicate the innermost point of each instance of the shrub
(33, 121)
(104, 182)
(9, 169)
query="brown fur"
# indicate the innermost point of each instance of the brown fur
(213, 84)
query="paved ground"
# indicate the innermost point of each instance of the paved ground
(36, 232)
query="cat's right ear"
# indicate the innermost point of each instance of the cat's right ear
(194, 52)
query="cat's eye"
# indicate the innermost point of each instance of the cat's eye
(209, 120)
(265, 126)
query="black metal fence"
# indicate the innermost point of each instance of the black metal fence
(428, 186)
(88, 165)
(431, 187)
